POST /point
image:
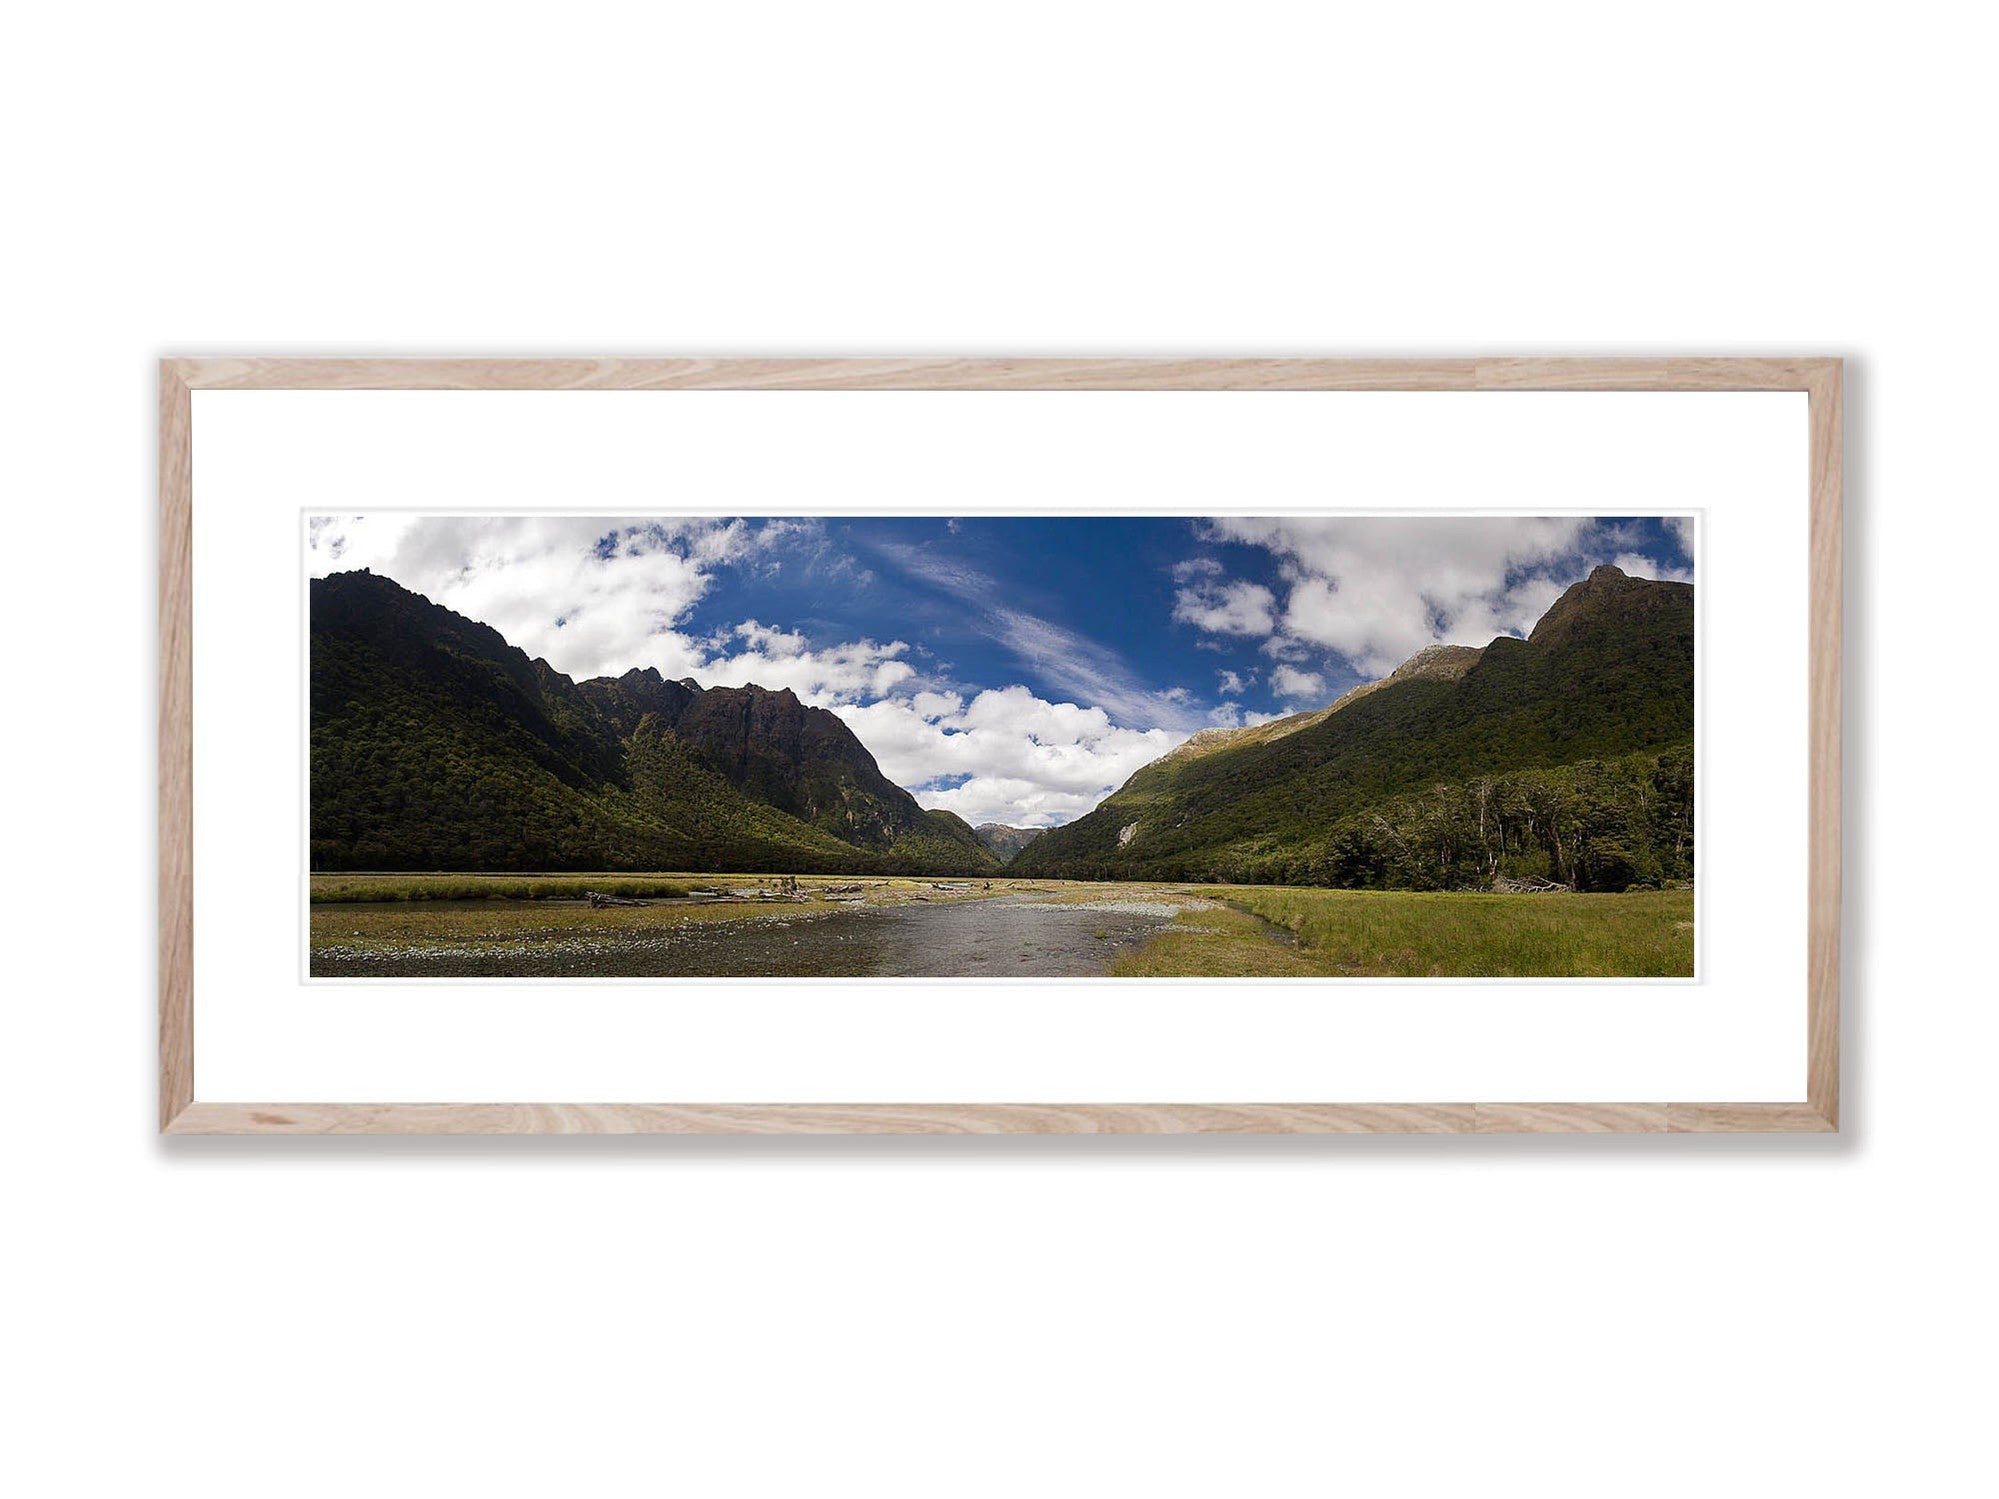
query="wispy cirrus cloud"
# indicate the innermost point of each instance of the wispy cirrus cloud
(1064, 660)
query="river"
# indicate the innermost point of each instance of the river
(1007, 937)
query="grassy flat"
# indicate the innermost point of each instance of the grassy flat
(1215, 931)
(1403, 934)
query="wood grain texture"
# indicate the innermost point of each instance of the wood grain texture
(824, 1119)
(1819, 378)
(992, 1118)
(176, 788)
(1571, 1118)
(1823, 894)
(1651, 374)
(1748, 1118)
(830, 374)
(1001, 374)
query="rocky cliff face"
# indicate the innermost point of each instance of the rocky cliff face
(802, 760)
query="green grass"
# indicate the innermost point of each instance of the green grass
(1260, 931)
(415, 925)
(1638, 934)
(1217, 943)
(344, 889)
(339, 889)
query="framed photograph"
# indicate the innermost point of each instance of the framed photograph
(993, 745)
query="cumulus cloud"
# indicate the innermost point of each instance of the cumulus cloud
(1235, 716)
(590, 595)
(1005, 755)
(1235, 683)
(1372, 591)
(595, 596)
(778, 659)
(1644, 567)
(1292, 685)
(1235, 608)
(599, 596)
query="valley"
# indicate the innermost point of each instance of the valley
(1519, 809)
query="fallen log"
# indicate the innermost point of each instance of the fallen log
(599, 902)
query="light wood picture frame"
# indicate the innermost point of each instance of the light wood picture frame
(182, 1111)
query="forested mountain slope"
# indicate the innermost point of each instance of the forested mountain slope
(437, 745)
(1565, 757)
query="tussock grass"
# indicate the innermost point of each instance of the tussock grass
(413, 924)
(1215, 943)
(1262, 931)
(338, 889)
(1638, 934)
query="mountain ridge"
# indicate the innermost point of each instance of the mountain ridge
(437, 744)
(1605, 677)
(1563, 757)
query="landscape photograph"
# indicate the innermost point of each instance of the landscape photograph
(1000, 747)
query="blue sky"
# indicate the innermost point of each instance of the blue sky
(1011, 669)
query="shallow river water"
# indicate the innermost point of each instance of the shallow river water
(1003, 938)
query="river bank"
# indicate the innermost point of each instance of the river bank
(478, 926)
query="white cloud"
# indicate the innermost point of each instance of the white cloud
(1375, 590)
(1234, 684)
(1070, 663)
(1289, 683)
(597, 597)
(590, 595)
(778, 659)
(1024, 760)
(1236, 608)
(1059, 657)
(1644, 567)
(1233, 716)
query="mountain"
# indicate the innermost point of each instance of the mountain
(1004, 842)
(437, 745)
(1563, 757)
(1440, 663)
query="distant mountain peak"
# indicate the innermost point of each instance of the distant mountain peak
(1004, 841)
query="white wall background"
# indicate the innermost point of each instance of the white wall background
(991, 1317)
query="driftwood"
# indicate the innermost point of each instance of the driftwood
(599, 902)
